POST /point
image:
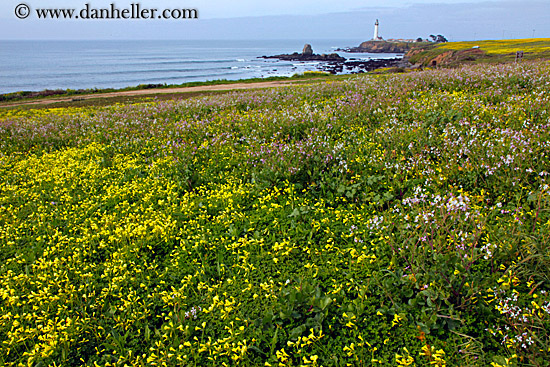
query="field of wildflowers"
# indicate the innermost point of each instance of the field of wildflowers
(528, 45)
(396, 220)
(453, 54)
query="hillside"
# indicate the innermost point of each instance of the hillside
(456, 53)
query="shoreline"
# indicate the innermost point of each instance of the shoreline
(194, 90)
(358, 66)
(329, 68)
(28, 97)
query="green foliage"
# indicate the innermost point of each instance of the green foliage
(397, 220)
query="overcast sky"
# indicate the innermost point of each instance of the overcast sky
(292, 19)
(231, 8)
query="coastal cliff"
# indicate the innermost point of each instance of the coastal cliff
(438, 56)
(383, 47)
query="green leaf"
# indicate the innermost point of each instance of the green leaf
(147, 333)
(429, 302)
(325, 302)
(297, 331)
(274, 341)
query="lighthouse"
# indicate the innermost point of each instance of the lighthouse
(376, 36)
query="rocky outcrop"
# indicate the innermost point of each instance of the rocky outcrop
(381, 47)
(301, 57)
(336, 64)
(362, 66)
(307, 51)
(307, 55)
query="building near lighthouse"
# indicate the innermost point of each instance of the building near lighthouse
(376, 35)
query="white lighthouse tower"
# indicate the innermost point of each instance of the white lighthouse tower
(376, 36)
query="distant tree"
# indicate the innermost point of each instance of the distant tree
(441, 39)
(434, 38)
(419, 39)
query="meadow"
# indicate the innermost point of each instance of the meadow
(495, 47)
(483, 51)
(396, 220)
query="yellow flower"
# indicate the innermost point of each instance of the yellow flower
(404, 360)
(396, 320)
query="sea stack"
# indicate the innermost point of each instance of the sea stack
(307, 55)
(307, 51)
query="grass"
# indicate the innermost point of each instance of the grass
(100, 100)
(401, 219)
(30, 96)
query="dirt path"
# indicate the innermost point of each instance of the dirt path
(145, 92)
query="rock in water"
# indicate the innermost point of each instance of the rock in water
(307, 55)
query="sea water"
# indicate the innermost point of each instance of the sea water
(40, 65)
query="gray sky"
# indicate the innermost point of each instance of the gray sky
(291, 19)
(231, 8)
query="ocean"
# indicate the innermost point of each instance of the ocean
(40, 65)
